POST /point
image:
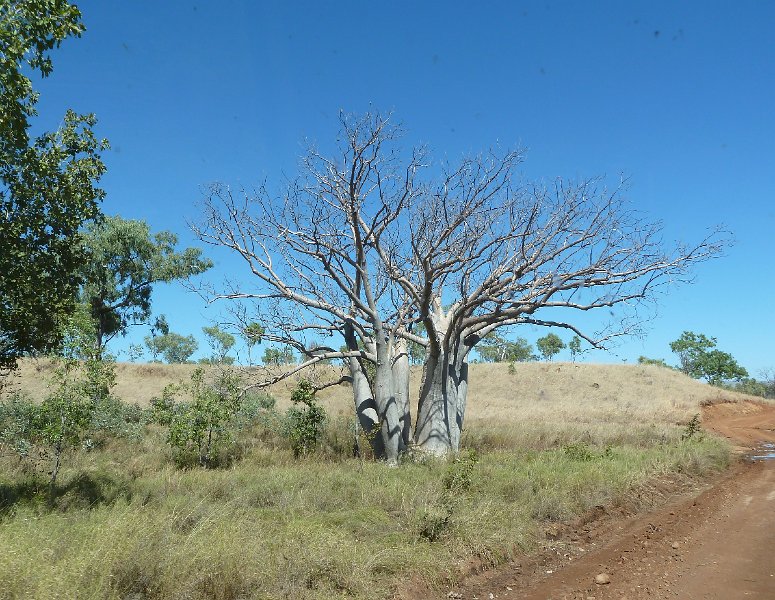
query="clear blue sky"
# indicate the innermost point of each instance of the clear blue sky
(678, 96)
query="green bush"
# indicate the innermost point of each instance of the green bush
(459, 475)
(305, 421)
(201, 431)
(578, 451)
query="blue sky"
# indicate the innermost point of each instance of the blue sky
(677, 96)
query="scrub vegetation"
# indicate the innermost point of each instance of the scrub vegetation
(127, 518)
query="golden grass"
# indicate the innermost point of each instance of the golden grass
(563, 392)
(272, 527)
(554, 440)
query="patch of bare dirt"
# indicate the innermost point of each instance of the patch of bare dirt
(711, 544)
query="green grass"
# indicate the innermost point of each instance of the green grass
(127, 524)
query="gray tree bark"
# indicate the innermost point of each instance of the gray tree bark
(387, 405)
(444, 389)
(442, 403)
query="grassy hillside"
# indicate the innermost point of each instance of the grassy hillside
(551, 440)
(575, 394)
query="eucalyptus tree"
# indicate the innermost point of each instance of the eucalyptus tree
(549, 345)
(48, 183)
(370, 243)
(173, 347)
(496, 348)
(124, 261)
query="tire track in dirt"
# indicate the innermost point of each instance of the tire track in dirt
(717, 545)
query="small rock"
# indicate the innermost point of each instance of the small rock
(602, 579)
(675, 545)
(454, 596)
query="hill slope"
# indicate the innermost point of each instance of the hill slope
(534, 393)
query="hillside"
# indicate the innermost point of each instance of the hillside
(536, 392)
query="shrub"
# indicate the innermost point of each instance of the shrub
(305, 421)
(201, 430)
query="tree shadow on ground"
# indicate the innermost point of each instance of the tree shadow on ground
(82, 491)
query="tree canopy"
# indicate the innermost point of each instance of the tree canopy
(496, 348)
(48, 184)
(549, 345)
(700, 359)
(124, 261)
(173, 347)
(371, 241)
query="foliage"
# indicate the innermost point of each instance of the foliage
(496, 348)
(47, 184)
(173, 347)
(124, 262)
(221, 342)
(19, 419)
(750, 386)
(657, 362)
(700, 359)
(305, 421)
(459, 475)
(257, 408)
(575, 347)
(277, 357)
(201, 430)
(690, 348)
(79, 391)
(692, 428)
(578, 451)
(253, 333)
(549, 345)
(717, 367)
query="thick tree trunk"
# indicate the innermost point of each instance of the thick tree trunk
(387, 405)
(400, 375)
(442, 404)
(391, 415)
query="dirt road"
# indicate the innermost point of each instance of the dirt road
(718, 545)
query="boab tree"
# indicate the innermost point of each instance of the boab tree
(374, 246)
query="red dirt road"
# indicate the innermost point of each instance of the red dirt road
(719, 544)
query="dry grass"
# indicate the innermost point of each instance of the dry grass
(554, 440)
(563, 392)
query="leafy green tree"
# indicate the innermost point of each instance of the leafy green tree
(78, 392)
(173, 347)
(690, 348)
(496, 348)
(124, 262)
(549, 345)
(751, 386)
(700, 359)
(276, 357)
(66, 413)
(253, 333)
(716, 367)
(575, 347)
(221, 343)
(203, 427)
(305, 420)
(48, 185)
